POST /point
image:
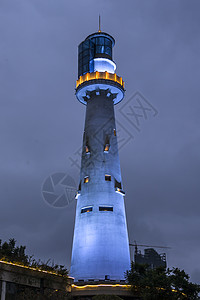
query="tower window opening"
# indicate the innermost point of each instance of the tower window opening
(105, 208)
(118, 188)
(86, 179)
(107, 144)
(107, 177)
(106, 148)
(87, 149)
(86, 209)
(114, 130)
(118, 184)
(119, 191)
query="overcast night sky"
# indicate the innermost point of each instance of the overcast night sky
(41, 122)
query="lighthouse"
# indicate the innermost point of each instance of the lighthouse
(100, 248)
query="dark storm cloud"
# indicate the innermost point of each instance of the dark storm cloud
(41, 122)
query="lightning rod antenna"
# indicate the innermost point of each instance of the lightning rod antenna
(99, 23)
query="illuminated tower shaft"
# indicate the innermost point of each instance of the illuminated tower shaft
(100, 244)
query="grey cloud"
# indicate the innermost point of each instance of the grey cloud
(41, 122)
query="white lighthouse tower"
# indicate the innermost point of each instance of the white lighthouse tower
(100, 244)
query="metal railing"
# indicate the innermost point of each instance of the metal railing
(99, 75)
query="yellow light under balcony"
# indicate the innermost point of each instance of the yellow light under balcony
(100, 75)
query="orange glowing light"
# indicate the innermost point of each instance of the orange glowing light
(106, 148)
(100, 285)
(99, 75)
(86, 179)
(87, 149)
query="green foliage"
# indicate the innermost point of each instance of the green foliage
(16, 254)
(106, 297)
(9, 251)
(48, 266)
(161, 284)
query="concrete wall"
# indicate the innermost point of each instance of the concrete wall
(18, 278)
(100, 244)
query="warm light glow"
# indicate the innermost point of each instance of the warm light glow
(86, 209)
(99, 285)
(126, 286)
(100, 75)
(86, 179)
(118, 190)
(31, 268)
(106, 148)
(87, 149)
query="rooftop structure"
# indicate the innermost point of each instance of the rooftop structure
(151, 257)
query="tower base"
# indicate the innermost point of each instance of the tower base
(87, 290)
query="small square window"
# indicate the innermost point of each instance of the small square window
(107, 177)
(86, 179)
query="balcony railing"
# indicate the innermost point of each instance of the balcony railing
(100, 75)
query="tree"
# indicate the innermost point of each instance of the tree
(161, 284)
(17, 254)
(9, 251)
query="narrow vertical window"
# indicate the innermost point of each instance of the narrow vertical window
(79, 187)
(87, 147)
(118, 184)
(106, 148)
(87, 150)
(86, 179)
(118, 188)
(114, 130)
(107, 145)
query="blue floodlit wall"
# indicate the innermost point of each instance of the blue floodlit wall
(100, 244)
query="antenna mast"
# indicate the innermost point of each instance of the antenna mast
(99, 23)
